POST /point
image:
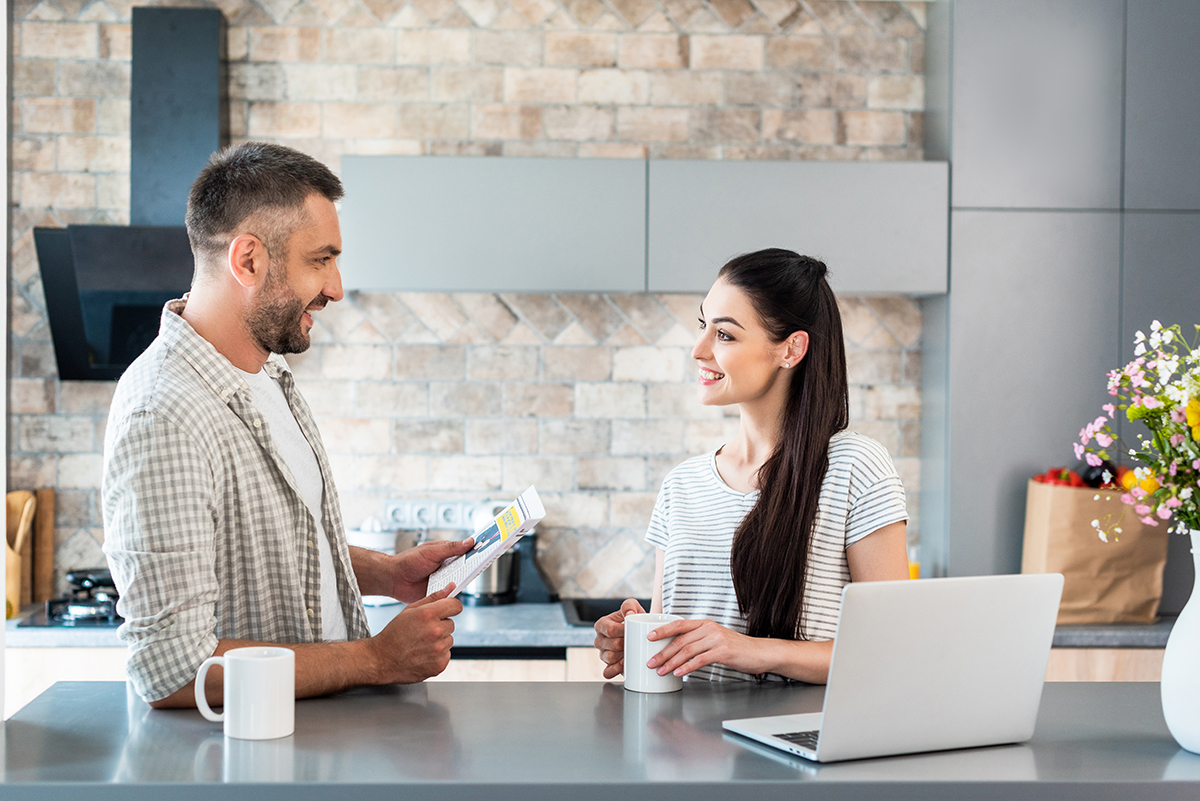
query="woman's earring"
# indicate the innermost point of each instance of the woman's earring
(786, 364)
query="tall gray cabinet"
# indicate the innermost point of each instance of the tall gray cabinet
(1075, 190)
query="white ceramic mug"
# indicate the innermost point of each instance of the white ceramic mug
(638, 651)
(260, 692)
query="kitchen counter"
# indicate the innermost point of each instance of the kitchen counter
(545, 626)
(531, 626)
(567, 740)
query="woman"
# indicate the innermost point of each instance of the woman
(756, 540)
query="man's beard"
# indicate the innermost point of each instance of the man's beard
(276, 322)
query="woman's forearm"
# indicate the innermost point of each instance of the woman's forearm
(806, 661)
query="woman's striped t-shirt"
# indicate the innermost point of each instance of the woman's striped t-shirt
(697, 513)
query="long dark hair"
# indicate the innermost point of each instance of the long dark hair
(770, 547)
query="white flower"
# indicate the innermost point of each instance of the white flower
(1167, 336)
(1118, 530)
(1155, 325)
(1102, 537)
(1140, 350)
(1155, 340)
(1142, 473)
(1139, 336)
(1185, 493)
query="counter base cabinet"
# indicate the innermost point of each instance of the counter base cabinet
(1105, 664)
(581, 664)
(29, 672)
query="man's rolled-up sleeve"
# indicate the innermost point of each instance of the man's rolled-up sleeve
(159, 529)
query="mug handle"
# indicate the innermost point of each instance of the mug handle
(201, 701)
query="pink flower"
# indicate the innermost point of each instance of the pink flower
(1078, 451)
(1178, 416)
(1151, 402)
(1109, 409)
(1138, 492)
(1141, 509)
(1093, 460)
(1112, 391)
(1174, 503)
(1085, 434)
(1176, 439)
(1098, 423)
(1149, 521)
(1196, 465)
(1103, 440)
(1128, 499)
(1163, 513)
(1173, 469)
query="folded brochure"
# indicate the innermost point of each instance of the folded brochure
(517, 520)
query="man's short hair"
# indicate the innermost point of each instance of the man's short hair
(259, 180)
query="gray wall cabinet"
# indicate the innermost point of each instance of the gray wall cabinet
(578, 225)
(1159, 282)
(490, 225)
(1031, 334)
(1037, 103)
(1045, 109)
(1162, 155)
(880, 227)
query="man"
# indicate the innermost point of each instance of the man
(222, 524)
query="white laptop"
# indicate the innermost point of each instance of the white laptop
(927, 666)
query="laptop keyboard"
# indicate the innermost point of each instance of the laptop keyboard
(804, 739)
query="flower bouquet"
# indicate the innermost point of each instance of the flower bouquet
(1161, 389)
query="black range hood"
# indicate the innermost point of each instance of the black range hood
(105, 285)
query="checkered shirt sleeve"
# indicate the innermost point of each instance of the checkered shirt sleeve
(163, 554)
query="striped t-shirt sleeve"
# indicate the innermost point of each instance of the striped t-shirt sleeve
(876, 496)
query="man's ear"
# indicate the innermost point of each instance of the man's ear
(247, 259)
(795, 348)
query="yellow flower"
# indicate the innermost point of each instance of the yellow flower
(1193, 412)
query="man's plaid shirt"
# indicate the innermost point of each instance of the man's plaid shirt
(205, 533)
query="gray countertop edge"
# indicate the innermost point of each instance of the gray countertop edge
(545, 626)
(657, 791)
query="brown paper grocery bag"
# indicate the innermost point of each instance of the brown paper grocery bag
(1119, 581)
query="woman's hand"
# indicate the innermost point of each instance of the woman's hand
(610, 638)
(702, 642)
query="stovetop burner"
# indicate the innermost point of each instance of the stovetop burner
(91, 601)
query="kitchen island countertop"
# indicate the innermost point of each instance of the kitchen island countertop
(583, 741)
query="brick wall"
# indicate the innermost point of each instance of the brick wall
(478, 395)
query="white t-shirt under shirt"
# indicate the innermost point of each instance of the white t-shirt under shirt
(697, 513)
(299, 457)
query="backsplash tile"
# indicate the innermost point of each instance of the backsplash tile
(477, 394)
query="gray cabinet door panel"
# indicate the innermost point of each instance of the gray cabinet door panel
(880, 227)
(481, 224)
(1032, 334)
(1036, 103)
(1159, 282)
(1162, 102)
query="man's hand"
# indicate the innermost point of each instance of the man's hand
(404, 576)
(416, 643)
(410, 569)
(610, 638)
